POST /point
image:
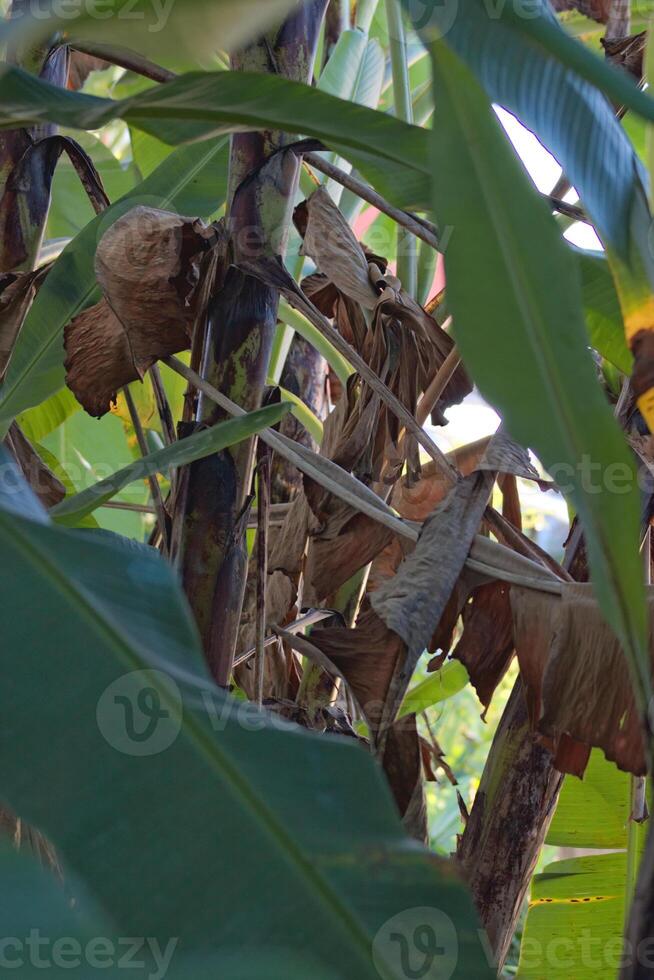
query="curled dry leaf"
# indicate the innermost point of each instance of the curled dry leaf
(628, 52)
(148, 264)
(486, 645)
(403, 345)
(402, 761)
(365, 657)
(17, 292)
(330, 242)
(576, 680)
(80, 67)
(413, 602)
(415, 501)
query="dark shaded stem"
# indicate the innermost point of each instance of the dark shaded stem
(155, 489)
(163, 408)
(508, 823)
(263, 514)
(569, 210)
(124, 58)
(240, 331)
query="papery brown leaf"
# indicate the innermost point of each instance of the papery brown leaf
(425, 345)
(486, 645)
(576, 677)
(345, 312)
(415, 501)
(80, 67)
(433, 758)
(366, 656)
(99, 359)
(148, 265)
(628, 52)
(332, 562)
(402, 762)
(412, 603)
(330, 242)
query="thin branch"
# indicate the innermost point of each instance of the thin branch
(437, 386)
(423, 230)
(569, 210)
(163, 407)
(263, 513)
(124, 58)
(304, 622)
(135, 508)
(155, 489)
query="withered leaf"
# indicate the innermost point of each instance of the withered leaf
(598, 10)
(80, 67)
(365, 656)
(148, 265)
(17, 292)
(576, 678)
(402, 761)
(486, 645)
(412, 603)
(628, 52)
(330, 242)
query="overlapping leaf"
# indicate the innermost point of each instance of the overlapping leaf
(305, 822)
(522, 336)
(522, 74)
(393, 155)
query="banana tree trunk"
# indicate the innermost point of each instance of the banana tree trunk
(508, 822)
(241, 327)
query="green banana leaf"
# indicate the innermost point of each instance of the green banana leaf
(507, 51)
(602, 310)
(188, 804)
(393, 155)
(516, 302)
(193, 29)
(575, 923)
(73, 508)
